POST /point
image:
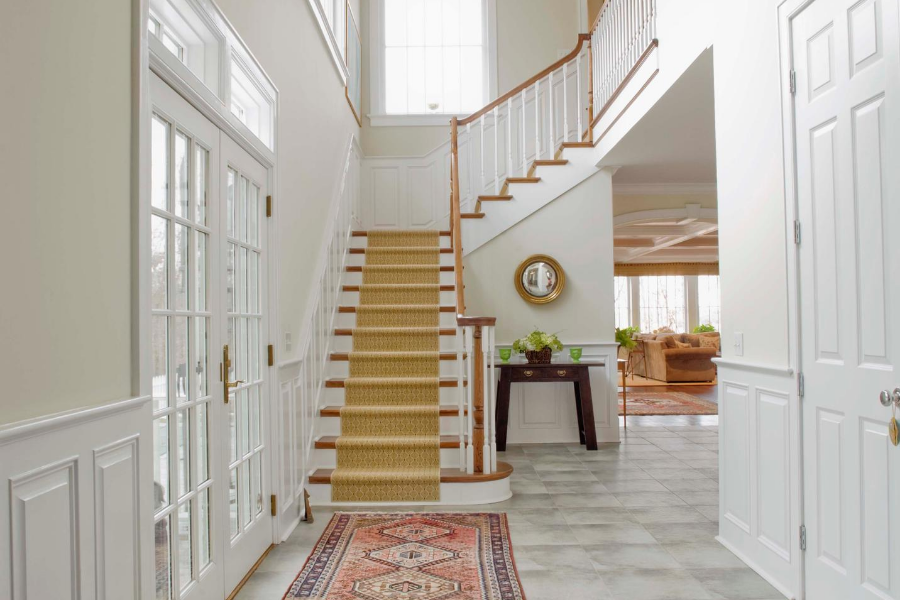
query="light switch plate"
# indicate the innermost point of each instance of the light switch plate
(738, 343)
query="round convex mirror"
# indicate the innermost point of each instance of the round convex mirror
(540, 279)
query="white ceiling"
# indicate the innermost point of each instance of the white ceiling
(675, 141)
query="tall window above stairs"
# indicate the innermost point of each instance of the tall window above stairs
(431, 59)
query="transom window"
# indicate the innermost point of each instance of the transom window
(431, 57)
(168, 37)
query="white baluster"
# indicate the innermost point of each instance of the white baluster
(470, 403)
(509, 125)
(481, 189)
(461, 394)
(486, 448)
(496, 153)
(468, 161)
(552, 143)
(578, 94)
(565, 84)
(537, 119)
(524, 153)
(492, 413)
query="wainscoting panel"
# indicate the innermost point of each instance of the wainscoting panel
(76, 522)
(759, 471)
(545, 412)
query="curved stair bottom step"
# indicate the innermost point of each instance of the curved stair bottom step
(457, 489)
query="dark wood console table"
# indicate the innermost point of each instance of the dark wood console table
(577, 373)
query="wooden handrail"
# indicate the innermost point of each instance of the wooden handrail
(582, 38)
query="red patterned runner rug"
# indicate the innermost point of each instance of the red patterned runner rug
(411, 556)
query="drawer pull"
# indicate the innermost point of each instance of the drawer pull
(528, 373)
(561, 373)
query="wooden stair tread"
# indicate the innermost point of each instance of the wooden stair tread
(447, 410)
(446, 382)
(448, 475)
(363, 251)
(471, 215)
(329, 442)
(556, 162)
(366, 233)
(346, 332)
(500, 198)
(577, 145)
(352, 309)
(345, 356)
(359, 269)
(355, 288)
(522, 180)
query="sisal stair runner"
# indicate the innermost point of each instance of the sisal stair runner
(389, 447)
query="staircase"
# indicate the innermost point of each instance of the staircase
(399, 422)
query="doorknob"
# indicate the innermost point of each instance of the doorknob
(888, 398)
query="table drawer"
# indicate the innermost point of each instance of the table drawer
(544, 374)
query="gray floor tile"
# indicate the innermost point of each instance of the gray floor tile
(527, 487)
(649, 584)
(567, 476)
(691, 485)
(575, 487)
(552, 558)
(703, 555)
(710, 512)
(700, 498)
(664, 474)
(668, 514)
(613, 533)
(647, 499)
(635, 485)
(535, 516)
(550, 585)
(672, 533)
(596, 516)
(585, 500)
(530, 534)
(734, 584)
(607, 557)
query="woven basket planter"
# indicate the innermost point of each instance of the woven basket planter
(539, 357)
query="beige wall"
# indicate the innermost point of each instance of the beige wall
(624, 204)
(530, 34)
(750, 174)
(65, 314)
(314, 125)
(584, 312)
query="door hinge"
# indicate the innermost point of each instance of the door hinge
(797, 232)
(801, 385)
(268, 206)
(274, 502)
(803, 538)
(271, 355)
(793, 81)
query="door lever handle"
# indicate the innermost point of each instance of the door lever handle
(226, 365)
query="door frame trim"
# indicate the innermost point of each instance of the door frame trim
(144, 62)
(787, 11)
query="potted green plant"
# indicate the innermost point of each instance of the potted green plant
(704, 329)
(538, 347)
(626, 341)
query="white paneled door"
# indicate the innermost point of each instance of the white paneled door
(208, 283)
(847, 136)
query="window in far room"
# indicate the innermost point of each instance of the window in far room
(623, 302)
(431, 57)
(663, 303)
(708, 300)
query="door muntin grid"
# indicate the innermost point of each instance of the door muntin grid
(244, 307)
(181, 324)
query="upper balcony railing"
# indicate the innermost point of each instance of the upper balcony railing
(507, 139)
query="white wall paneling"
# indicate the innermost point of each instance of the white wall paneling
(301, 381)
(759, 471)
(76, 522)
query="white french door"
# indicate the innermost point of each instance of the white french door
(846, 54)
(208, 285)
(247, 520)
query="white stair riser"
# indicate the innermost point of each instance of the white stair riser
(362, 241)
(344, 343)
(452, 494)
(358, 260)
(326, 458)
(446, 320)
(355, 278)
(341, 368)
(352, 298)
(335, 396)
(332, 426)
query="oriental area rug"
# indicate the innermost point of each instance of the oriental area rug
(411, 556)
(667, 403)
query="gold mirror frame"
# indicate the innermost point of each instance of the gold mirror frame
(560, 279)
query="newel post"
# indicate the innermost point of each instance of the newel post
(478, 404)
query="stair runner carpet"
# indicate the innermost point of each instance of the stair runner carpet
(389, 447)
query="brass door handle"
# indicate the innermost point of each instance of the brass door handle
(226, 365)
(528, 373)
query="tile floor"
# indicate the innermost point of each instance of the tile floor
(632, 521)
